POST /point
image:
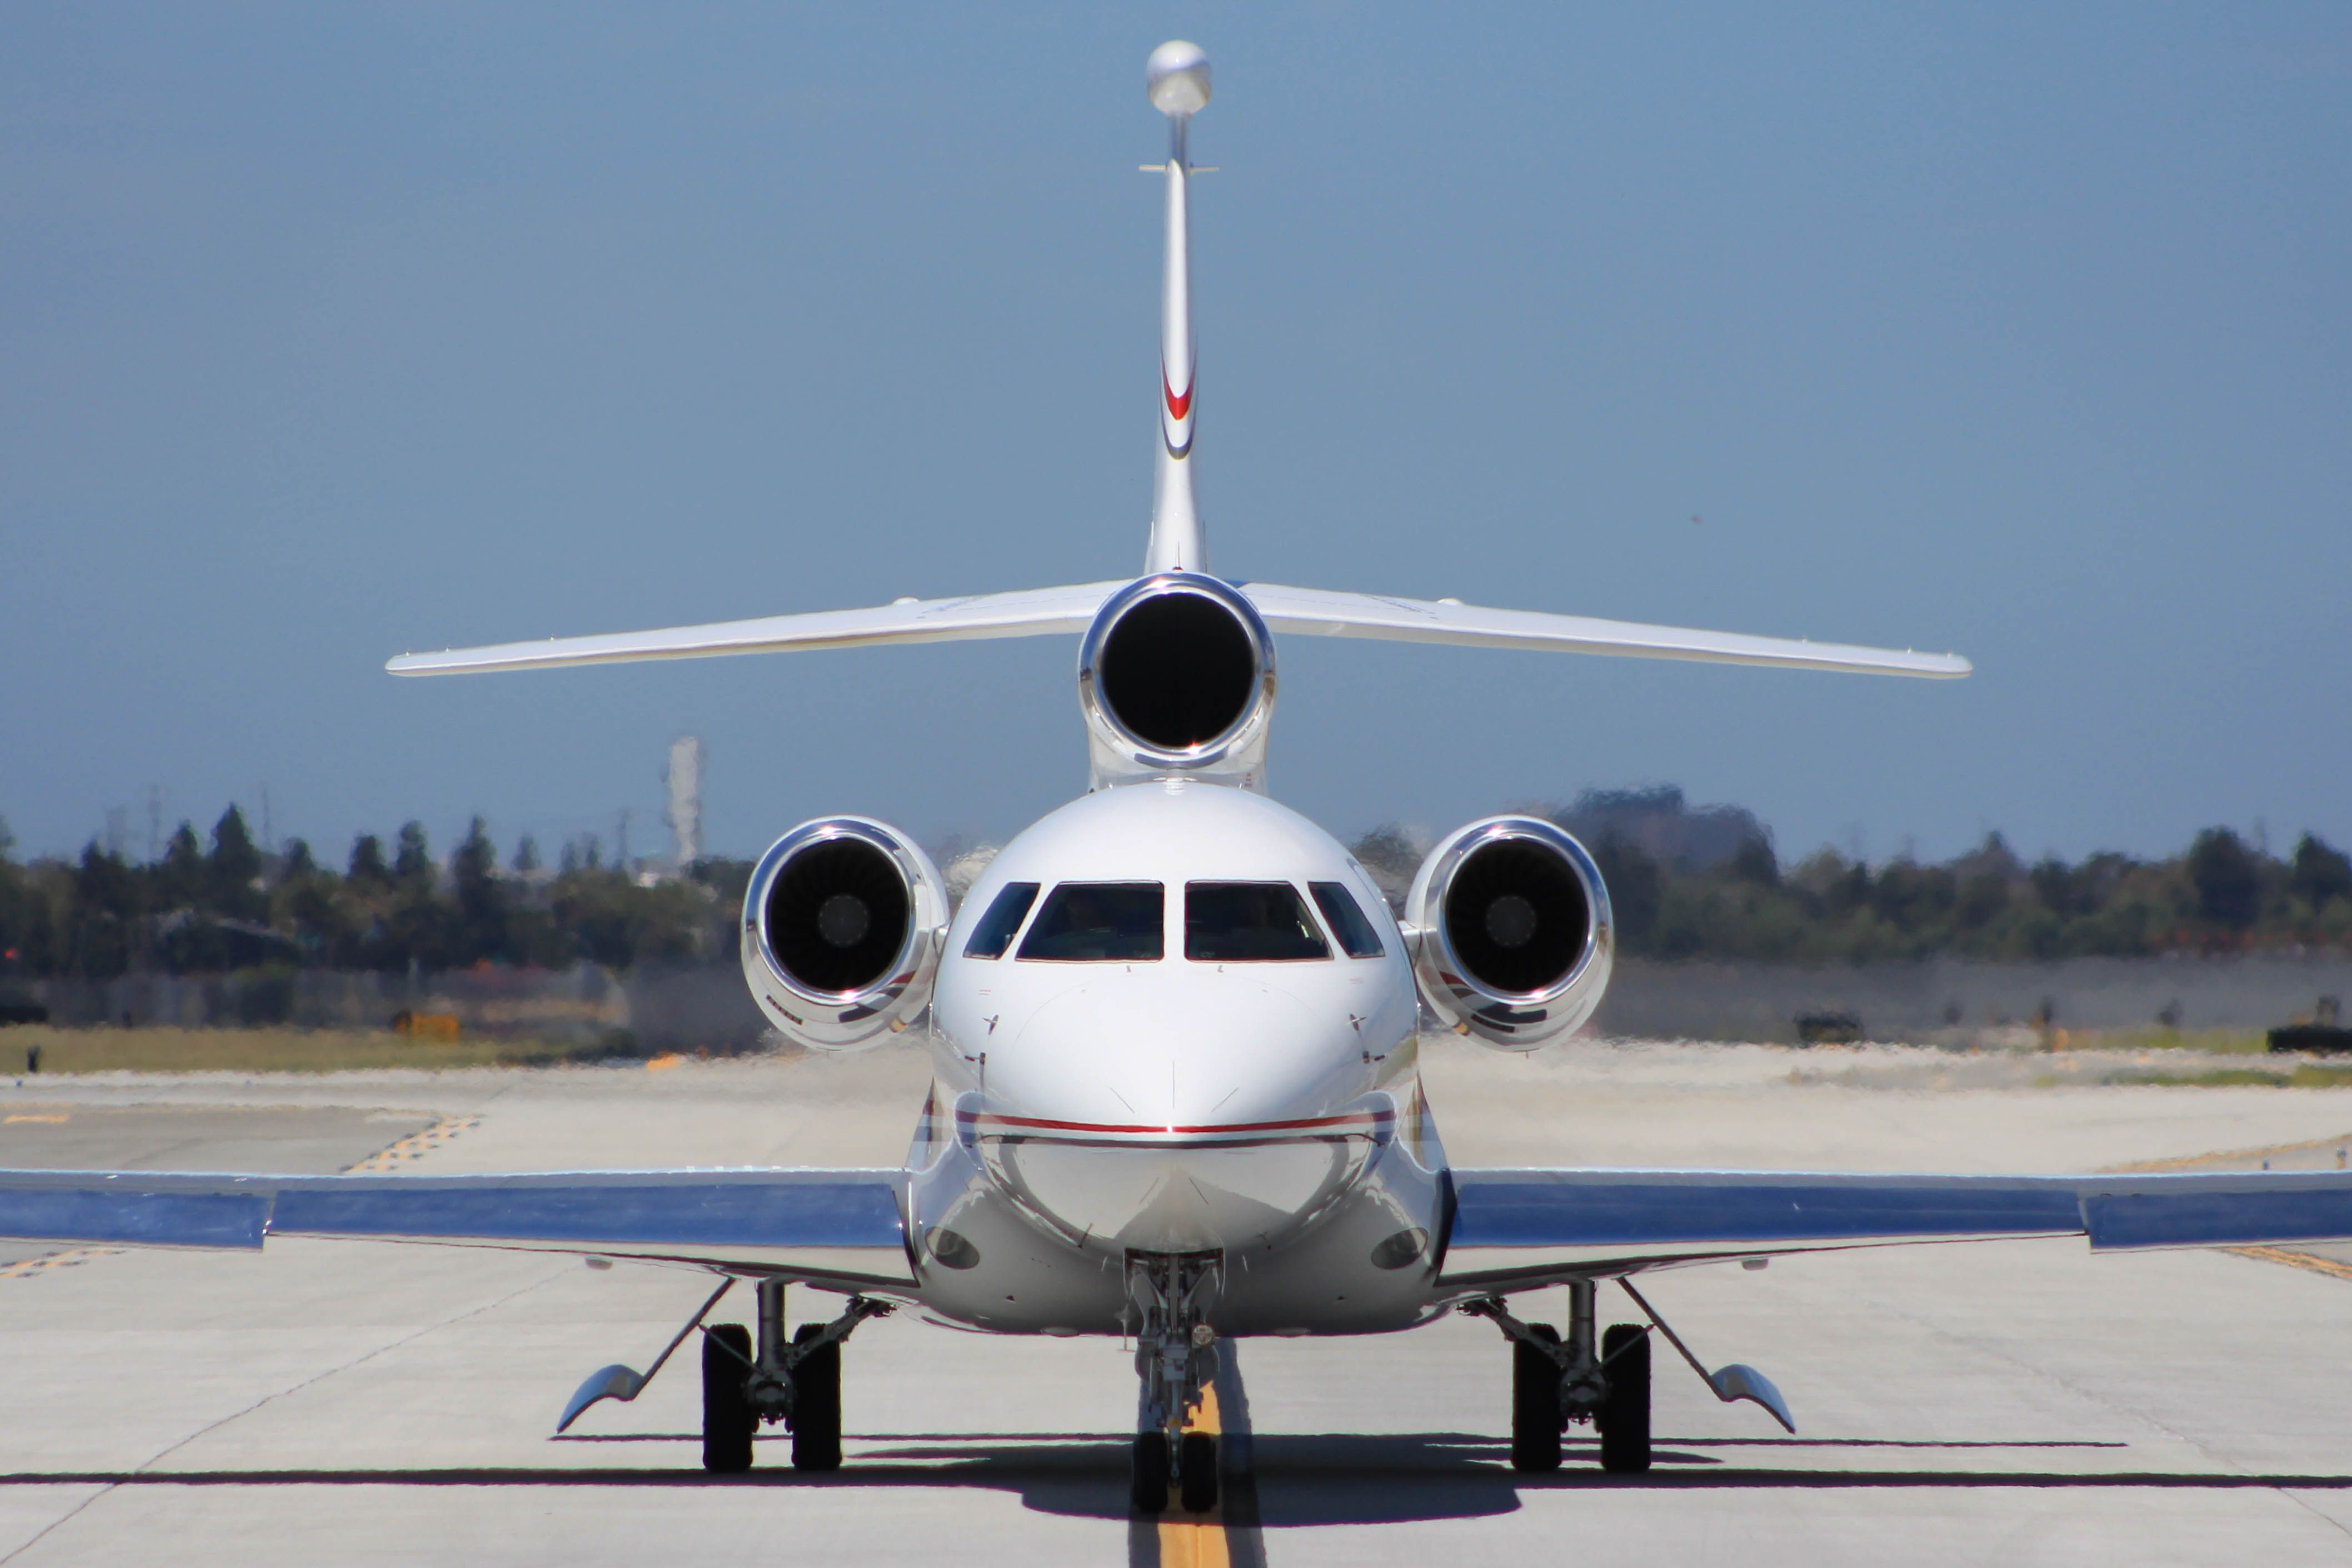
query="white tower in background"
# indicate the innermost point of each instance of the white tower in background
(684, 776)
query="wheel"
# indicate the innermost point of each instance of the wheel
(1625, 1414)
(728, 1419)
(1149, 1486)
(816, 1404)
(1535, 1404)
(1199, 1468)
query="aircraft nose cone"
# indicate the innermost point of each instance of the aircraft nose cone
(1177, 1128)
(1246, 1053)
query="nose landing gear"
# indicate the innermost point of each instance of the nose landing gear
(1175, 1358)
(796, 1382)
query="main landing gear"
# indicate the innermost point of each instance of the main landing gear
(796, 1382)
(1556, 1381)
(1175, 1360)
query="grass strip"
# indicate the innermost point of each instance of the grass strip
(110, 1049)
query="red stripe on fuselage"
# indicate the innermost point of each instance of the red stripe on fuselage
(1178, 406)
(1044, 1124)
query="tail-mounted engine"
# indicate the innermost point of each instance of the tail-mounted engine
(1176, 676)
(842, 926)
(1514, 937)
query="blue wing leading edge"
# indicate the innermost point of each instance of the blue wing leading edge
(1510, 1228)
(844, 1226)
(1514, 1227)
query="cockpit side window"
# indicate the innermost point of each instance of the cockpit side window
(1248, 922)
(1348, 921)
(993, 934)
(1099, 922)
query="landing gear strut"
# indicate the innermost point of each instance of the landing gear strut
(1175, 1358)
(797, 1382)
(1556, 1381)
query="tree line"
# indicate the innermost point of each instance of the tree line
(227, 904)
(1683, 884)
(2220, 895)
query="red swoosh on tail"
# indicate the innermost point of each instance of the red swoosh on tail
(1177, 406)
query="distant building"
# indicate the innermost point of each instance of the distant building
(687, 759)
(1657, 821)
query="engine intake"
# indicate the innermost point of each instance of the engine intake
(841, 931)
(1176, 675)
(1515, 938)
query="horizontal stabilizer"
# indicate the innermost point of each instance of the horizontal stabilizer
(1032, 612)
(1040, 612)
(1323, 612)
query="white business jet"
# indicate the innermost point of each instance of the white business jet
(1172, 1030)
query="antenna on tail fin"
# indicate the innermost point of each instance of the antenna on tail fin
(1176, 78)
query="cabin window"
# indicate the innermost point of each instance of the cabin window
(1248, 922)
(1099, 922)
(1005, 913)
(1348, 921)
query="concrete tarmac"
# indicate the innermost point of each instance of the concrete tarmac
(2012, 1403)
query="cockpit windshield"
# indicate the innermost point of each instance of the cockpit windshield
(993, 932)
(1098, 922)
(1249, 923)
(1349, 923)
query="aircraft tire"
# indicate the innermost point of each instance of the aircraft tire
(1148, 1485)
(816, 1404)
(1625, 1414)
(728, 1419)
(1200, 1472)
(1534, 1404)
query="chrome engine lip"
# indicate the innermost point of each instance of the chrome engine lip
(840, 1019)
(1244, 732)
(1447, 984)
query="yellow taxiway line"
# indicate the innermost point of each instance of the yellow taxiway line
(2294, 1259)
(1198, 1539)
(415, 1146)
(2228, 1157)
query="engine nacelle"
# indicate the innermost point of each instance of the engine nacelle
(1176, 676)
(842, 927)
(1512, 935)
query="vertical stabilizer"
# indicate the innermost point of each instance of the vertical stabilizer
(1177, 77)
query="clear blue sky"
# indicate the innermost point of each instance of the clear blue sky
(329, 332)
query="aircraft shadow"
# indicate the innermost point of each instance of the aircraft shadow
(1293, 1482)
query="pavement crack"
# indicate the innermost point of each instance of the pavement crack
(2220, 1462)
(149, 1464)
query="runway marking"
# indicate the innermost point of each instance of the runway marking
(2233, 1157)
(27, 1267)
(2295, 1259)
(2227, 1156)
(415, 1146)
(29, 1116)
(1198, 1539)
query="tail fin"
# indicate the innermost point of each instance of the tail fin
(1177, 77)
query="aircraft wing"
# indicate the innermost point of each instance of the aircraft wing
(1322, 612)
(842, 1227)
(1514, 1229)
(1032, 612)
